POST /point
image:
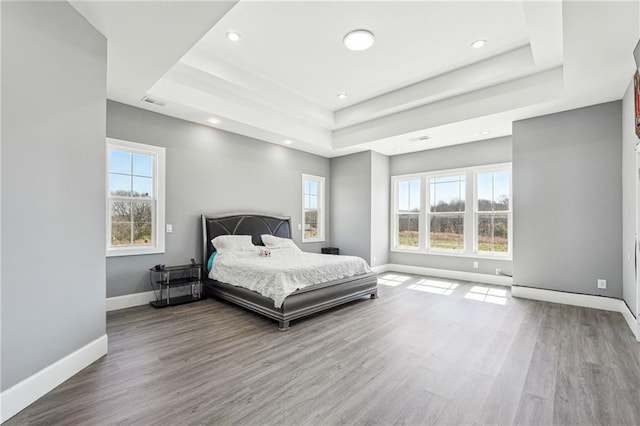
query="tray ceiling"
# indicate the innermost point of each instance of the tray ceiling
(280, 81)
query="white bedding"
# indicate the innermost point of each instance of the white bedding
(284, 272)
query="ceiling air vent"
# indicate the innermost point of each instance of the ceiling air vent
(153, 101)
(419, 138)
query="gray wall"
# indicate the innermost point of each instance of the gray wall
(53, 177)
(567, 193)
(380, 196)
(351, 204)
(209, 171)
(491, 151)
(629, 179)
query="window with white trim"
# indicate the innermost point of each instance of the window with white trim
(447, 211)
(493, 211)
(312, 208)
(135, 198)
(408, 213)
(463, 212)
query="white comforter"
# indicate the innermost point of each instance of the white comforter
(284, 272)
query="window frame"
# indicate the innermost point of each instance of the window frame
(470, 213)
(477, 212)
(395, 213)
(320, 180)
(465, 216)
(158, 213)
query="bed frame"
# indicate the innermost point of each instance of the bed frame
(303, 302)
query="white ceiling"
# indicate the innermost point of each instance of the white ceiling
(421, 77)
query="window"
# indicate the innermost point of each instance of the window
(135, 198)
(312, 208)
(493, 211)
(446, 214)
(408, 213)
(464, 212)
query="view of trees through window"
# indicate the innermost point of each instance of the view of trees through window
(493, 212)
(311, 202)
(449, 215)
(446, 224)
(131, 202)
(409, 213)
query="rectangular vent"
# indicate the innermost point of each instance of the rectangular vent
(419, 138)
(153, 101)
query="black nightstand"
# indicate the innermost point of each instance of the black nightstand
(330, 250)
(182, 276)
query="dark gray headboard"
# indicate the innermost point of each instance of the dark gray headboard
(242, 224)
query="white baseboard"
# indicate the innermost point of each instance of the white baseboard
(130, 300)
(23, 394)
(632, 322)
(380, 268)
(583, 300)
(444, 273)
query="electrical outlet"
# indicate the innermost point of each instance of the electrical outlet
(497, 271)
(169, 228)
(475, 265)
(602, 283)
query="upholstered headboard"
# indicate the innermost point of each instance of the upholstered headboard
(253, 224)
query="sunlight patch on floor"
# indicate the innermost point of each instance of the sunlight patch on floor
(392, 280)
(479, 293)
(443, 288)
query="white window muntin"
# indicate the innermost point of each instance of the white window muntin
(470, 213)
(466, 217)
(476, 212)
(320, 208)
(158, 198)
(395, 214)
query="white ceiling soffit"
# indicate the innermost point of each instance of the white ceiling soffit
(146, 38)
(421, 77)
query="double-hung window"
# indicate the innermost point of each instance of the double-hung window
(463, 212)
(135, 198)
(493, 211)
(312, 208)
(407, 213)
(447, 211)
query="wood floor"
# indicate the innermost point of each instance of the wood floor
(428, 351)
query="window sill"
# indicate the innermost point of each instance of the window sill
(319, 240)
(504, 257)
(133, 251)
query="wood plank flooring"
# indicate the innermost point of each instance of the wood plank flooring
(428, 351)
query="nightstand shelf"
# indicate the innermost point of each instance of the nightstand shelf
(180, 300)
(180, 276)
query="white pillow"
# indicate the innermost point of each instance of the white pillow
(233, 243)
(273, 242)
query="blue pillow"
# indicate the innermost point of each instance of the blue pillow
(210, 262)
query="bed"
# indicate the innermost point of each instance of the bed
(303, 302)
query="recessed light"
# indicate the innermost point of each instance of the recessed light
(214, 121)
(234, 36)
(359, 40)
(342, 95)
(478, 43)
(288, 142)
(485, 133)
(396, 150)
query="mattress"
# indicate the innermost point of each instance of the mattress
(284, 272)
